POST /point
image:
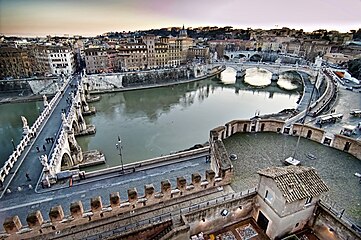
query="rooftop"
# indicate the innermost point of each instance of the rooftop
(295, 182)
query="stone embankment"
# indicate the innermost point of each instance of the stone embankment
(33, 89)
(118, 82)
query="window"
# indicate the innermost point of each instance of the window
(308, 201)
(268, 196)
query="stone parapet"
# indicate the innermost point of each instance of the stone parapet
(78, 216)
(337, 141)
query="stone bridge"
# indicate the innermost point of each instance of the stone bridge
(241, 54)
(67, 152)
(275, 68)
(51, 139)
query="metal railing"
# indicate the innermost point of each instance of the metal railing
(339, 213)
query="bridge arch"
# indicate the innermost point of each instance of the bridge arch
(297, 71)
(255, 57)
(66, 160)
(75, 126)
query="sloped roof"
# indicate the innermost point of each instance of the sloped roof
(296, 182)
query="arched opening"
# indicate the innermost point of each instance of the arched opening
(226, 57)
(73, 147)
(75, 127)
(347, 146)
(262, 127)
(255, 58)
(309, 134)
(245, 128)
(66, 160)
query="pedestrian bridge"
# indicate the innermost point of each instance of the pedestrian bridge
(39, 159)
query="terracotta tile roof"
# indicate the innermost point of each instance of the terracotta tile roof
(296, 182)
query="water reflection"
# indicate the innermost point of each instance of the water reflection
(11, 124)
(228, 76)
(154, 122)
(289, 81)
(258, 77)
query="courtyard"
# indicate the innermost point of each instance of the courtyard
(256, 151)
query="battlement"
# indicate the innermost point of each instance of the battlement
(36, 224)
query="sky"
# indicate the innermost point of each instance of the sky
(94, 17)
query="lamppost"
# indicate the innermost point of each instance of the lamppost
(303, 119)
(119, 147)
(12, 141)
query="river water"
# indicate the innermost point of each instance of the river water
(159, 121)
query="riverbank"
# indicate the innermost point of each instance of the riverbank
(31, 98)
(158, 85)
(18, 99)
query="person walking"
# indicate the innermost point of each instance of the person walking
(44, 148)
(27, 177)
(37, 149)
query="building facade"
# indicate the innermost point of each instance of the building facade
(15, 63)
(61, 60)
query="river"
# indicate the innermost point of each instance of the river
(159, 121)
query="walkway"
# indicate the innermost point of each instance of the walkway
(101, 186)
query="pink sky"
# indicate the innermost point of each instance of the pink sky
(92, 17)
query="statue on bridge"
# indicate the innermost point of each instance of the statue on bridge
(44, 161)
(45, 101)
(25, 122)
(26, 128)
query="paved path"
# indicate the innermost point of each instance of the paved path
(29, 161)
(27, 201)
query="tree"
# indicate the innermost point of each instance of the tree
(354, 67)
(357, 35)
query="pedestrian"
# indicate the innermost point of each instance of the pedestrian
(44, 148)
(27, 177)
(37, 149)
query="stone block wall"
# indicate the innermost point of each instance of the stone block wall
(270, 125)
(340, 142)
(310, 132)
(327, 225)
(80, 217)
(210, 218)
(347, 144)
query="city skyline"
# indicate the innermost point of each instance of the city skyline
(91, 17)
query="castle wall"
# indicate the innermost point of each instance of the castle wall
(103, 218)
(277, 126)
(329, 226)
(210, 218)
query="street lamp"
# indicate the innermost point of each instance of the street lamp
(306, 113)
(119, 147)
(12, 141)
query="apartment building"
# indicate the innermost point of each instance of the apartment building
(15, 63)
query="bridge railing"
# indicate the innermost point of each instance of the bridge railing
(13, 158)
(54, 160)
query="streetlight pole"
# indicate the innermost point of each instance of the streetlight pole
(306, 113)
(119, 147)
(12, 141)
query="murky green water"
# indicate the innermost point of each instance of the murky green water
(11, 124)
(158, 121)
